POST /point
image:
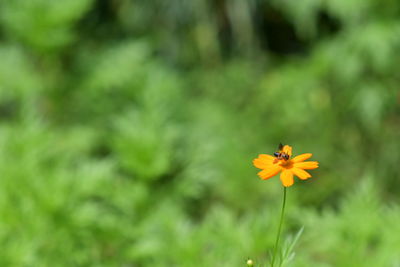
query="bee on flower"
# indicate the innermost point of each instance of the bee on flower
(282, 162)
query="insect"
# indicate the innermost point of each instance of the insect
(279, 155)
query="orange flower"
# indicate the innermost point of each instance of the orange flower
(282, 162)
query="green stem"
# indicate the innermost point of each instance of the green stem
(280, 227)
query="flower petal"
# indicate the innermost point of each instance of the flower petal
(266, 157)
(287, 178)
(302, 174)
(271, 171)
(307, 165)
(302, 157)
(288, 150)
(263, 161)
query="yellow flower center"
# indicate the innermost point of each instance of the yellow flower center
(287, 164)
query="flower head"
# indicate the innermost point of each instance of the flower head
(250, 263)
(282, 162)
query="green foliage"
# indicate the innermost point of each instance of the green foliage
(363, 228)
(127, 131)
(287, 252)
(42, 24)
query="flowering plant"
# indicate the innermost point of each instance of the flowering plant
(282, 162)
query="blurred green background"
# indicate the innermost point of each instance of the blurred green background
(128, 130)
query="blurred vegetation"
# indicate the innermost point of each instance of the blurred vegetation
(128, 127)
